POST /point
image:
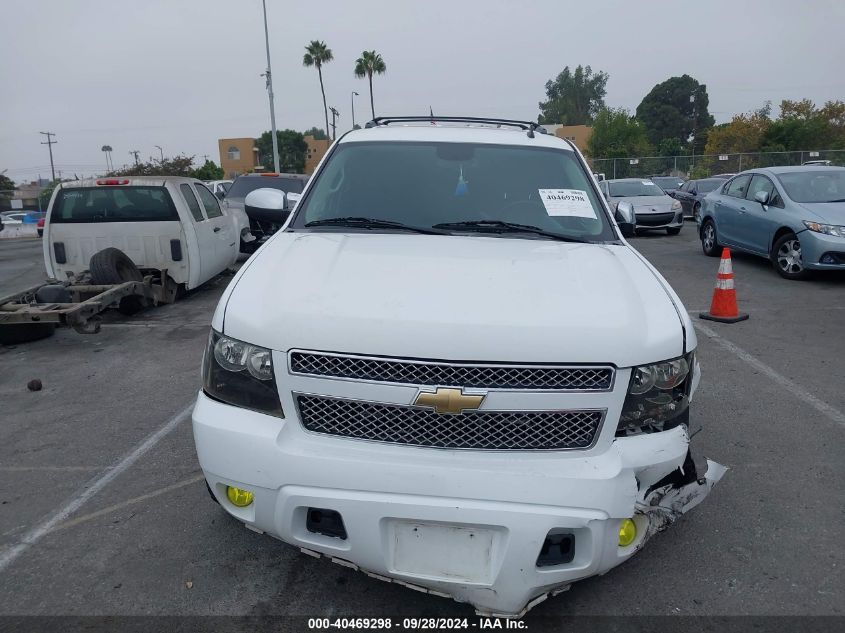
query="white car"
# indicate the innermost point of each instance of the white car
(219, 187)
(451, 371)
(161, 222)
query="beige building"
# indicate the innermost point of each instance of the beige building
(316, 151)
(578, 134)
(238, 156)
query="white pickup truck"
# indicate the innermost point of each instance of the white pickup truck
(450, 370)
(160, 222)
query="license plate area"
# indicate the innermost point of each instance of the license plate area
(445, 552)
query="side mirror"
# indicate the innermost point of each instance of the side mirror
(762, 197)
(625, 218)
(266, 204)
(293, 199)
(220, 194)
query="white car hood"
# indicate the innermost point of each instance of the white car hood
(453, 298)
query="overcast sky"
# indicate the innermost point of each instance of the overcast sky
(182, 73)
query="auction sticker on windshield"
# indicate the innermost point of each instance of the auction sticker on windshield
(567, 202)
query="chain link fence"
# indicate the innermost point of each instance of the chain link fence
(702, 166)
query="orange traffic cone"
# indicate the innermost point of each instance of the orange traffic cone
(723, 308)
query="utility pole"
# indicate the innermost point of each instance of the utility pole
(161, 151)
(335, 114)
(135, 153)
(354, 94)
(49, 143)
(269, 77)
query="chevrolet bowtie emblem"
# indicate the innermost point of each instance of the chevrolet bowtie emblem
(452, 401)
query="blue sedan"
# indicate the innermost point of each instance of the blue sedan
(794, 216)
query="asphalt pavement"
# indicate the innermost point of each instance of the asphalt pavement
(95, 521)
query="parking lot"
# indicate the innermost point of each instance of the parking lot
(104, 510)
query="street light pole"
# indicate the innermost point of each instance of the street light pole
(354, 94)
(270, 92)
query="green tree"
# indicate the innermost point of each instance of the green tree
(208, 171)
(292, 150)
(47, 192)
(175, 166)
(7, 186)
(317, 54)
(317, 132)
(802, 126)
(616, 134)
(574, 98)
(675, 109)
(745, 133)
(367, 65)
(670, 147)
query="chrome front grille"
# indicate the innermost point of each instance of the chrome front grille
(480, 430)
(414, 372)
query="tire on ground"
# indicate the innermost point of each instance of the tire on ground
(113, 266)
(25, 332)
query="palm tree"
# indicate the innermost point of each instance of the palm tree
(370, 62)
(317, 54)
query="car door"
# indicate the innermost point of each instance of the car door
(728, 204)
(206, 236)
(756, 223)
(223, 229)
(684, 197)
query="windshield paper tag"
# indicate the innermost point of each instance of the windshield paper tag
(567, 202)
(648, 183)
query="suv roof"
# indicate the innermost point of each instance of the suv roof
(456, 130)
(130, 181)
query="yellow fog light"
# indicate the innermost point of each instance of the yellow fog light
(242, 498)
(627, 532)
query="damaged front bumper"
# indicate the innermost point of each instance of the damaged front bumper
(489, 529)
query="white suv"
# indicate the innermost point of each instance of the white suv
(450, 370)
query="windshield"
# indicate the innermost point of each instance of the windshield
(814, 186)
(426, 184)
(706, 186)
(666, 182)
(245, 184)
(633, 188)
(113, 204)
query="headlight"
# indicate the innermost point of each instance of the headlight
(676, 205)
(658, 396)
(240, 374)
(827, 229)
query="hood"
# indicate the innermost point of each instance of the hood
(826, 212)
(454, 298)
(644, 204)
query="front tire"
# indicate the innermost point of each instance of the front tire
(710, 240)
(787, 259)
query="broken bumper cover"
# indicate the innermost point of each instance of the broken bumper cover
(465, 525)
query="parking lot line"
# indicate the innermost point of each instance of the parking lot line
(124, 504)
(39, 531)
(796, 390)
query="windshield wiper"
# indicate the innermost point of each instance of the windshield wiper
(372, 223)
(837, 200)
(499, 226)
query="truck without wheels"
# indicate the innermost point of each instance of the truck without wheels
(122, 242)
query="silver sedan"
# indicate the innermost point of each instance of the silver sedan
(653, 209)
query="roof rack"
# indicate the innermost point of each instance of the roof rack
(530, 126)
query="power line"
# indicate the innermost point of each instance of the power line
(49, 143)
